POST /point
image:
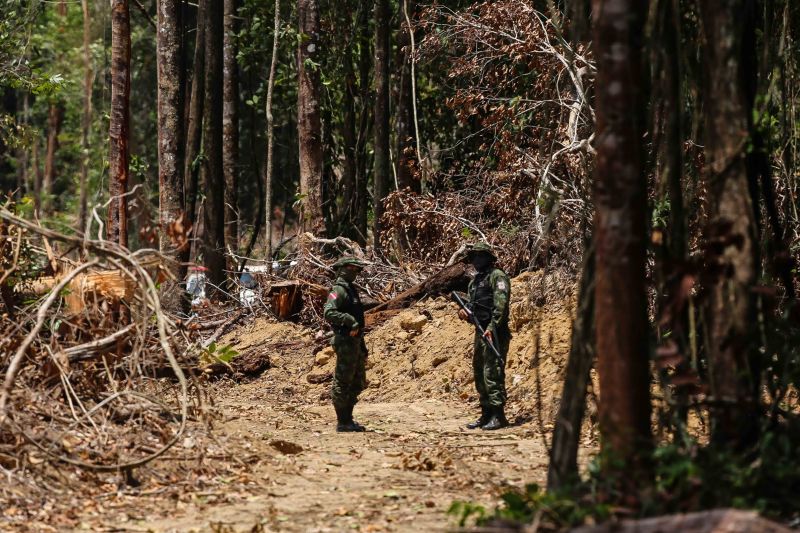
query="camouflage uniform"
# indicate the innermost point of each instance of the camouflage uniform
(343, 310)
(489, 294)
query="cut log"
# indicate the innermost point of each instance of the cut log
(450, 278)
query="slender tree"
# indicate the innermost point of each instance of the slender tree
(347, 213)
(309, 124)
(731, 232)
(382, 177)
(620, 197)
(361, 200)
(230, 127)
(86, 124)
(170, 127)
(211, 172)
(404, 117)
(118, 155)
(276, 28)
(194, 126)
(55, 118)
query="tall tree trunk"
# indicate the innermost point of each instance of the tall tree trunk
(309, 124)
(381, 179)
(170, 132)
(404, 117)
(620, 196)
(194, 128)
(347, 215)
(271, 131)
(563, 467)
(578, 13)
(118, 156)
(211, 173)
(730, 313)
(54, 119)
(38, 177)
(22, 152)
(362, 168)
(230, 128)
(87, 117)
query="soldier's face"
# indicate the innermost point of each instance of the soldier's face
(481, 261)
(350, 272)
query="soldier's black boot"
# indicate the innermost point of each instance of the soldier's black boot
(342, 420)
(484, 418)
(355, 425)
(497, 420)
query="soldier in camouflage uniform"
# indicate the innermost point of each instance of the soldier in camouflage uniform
(344, 312)
(489, 294)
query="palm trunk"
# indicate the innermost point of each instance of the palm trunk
(118, 156)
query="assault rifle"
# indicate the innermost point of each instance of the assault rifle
(457, 299)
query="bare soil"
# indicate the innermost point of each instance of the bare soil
(274, 461)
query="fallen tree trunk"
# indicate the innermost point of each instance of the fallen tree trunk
(450, 278)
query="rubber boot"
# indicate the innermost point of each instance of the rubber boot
(497, 419)
(481, 421)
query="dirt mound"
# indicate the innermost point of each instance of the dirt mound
(425, 352)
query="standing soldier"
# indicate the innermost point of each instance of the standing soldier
(344, 312)
(489, 294)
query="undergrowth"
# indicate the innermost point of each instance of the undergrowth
(687, 477)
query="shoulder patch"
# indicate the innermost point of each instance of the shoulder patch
(332, 295)
(502, 285)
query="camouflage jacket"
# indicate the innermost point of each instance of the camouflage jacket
(489, 295)
(343, 309)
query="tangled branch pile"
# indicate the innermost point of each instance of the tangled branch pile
(381, 280)
(520, 175)
(83, 340)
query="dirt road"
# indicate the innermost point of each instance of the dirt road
(401, 475)
(274, 462)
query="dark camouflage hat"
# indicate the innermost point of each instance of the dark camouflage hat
(348, 261)
(481, 247)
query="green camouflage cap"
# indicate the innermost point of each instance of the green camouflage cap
(481, 247)
(348, 261)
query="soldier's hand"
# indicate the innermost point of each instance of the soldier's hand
(463, 315)
(354, 332)
(488, 336)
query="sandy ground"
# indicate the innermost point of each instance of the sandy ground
(273, 461)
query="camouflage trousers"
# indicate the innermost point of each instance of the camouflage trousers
(490, 371)
(350, 377)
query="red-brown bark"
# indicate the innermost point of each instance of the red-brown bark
(309, 124)
(620, 243)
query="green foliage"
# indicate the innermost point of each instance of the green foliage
(552, 510)
(215, 353)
